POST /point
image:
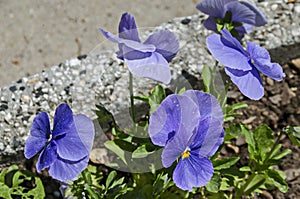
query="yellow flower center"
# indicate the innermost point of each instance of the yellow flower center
(185, 154)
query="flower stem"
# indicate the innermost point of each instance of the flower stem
(132, 112)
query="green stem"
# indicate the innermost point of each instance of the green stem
(272, 150)
(241, 191)
(131, 98)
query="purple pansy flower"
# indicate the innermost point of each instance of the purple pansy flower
(242, 65)
(189, 126)
(65, 149)
(241, 11)
(149, 59)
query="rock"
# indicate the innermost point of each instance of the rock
(275, 99)
(234, 148)
(249, 120)
(296, 63)
(240, 141)
(292, 174)
(99, 156)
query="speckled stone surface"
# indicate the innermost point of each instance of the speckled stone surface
(101, 78)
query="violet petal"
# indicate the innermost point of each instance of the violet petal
(248, 82)
(193, 171)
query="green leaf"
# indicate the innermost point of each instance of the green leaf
(106, 119)
(234, 107)
(111, 176)
(5, 191)
(264, 140)
(214, 184)
(222, 98)
(225, 163)
(281, 154)
(297, 131)
(249, 138)
(91, 192)
(156, 97)
(111, 145)
(141, 152)
(219, 27)
(18, 178)
(38, 191)
(278, 179)
(224, 184)
(236, 130)
(294, 134)
(2, 175)
(181, 91)
(103, 114)
(161, 183)
(208, 77)
(245, 168)
(87, 176)
(256, 182)
(142, 98)
(228, 17)
(230, 113)
(117, 182)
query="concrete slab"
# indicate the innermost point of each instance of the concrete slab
(38, 34)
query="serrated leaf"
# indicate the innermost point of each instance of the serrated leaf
(278, 179)
(225, 163)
